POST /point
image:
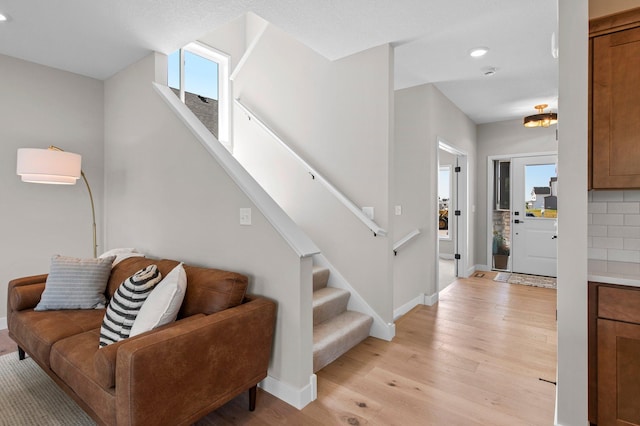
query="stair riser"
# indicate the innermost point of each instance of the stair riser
(340, 345)
(331, 308)
(320, 278)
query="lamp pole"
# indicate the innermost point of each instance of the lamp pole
(93, 209)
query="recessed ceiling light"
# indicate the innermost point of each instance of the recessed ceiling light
(3, 17)
(478, 52)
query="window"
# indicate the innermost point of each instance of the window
(541, 193)
(199, 75)
(444, 201)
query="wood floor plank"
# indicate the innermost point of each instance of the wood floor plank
(474, 358)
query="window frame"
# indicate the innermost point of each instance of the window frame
(224, 97)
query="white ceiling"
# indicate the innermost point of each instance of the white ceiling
(432, 39)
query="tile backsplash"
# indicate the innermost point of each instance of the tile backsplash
(614, 231)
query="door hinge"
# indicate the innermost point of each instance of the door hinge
(457, 256)
(457, 213)
(458, 169)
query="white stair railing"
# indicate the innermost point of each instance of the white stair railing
(404, 240)
(315, 175)
(296, 238)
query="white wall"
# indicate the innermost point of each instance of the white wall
(335, 115)
(42, 106)
(572, 218)
(422, 116)
(497, 139)
(169, 198)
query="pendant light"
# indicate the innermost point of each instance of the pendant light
(541, 119)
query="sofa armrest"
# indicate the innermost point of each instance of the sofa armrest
(24, 293)
(179, 374)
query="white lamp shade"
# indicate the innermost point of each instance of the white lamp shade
(48, 166)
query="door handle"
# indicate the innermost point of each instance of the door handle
(518, 221)
(554, 237)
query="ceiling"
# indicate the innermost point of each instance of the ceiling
(431, 38)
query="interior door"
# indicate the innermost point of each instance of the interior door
(534, 211)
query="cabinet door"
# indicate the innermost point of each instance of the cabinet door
(618, 373)
(615, 110)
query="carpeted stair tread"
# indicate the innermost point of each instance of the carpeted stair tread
(329, 302)
(336, 336)
(320, 277)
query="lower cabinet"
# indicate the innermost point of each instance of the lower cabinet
(614, 355)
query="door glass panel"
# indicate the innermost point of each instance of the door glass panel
(444, 200)
(541, 190)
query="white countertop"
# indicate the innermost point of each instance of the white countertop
(614, 273)
(629, 280)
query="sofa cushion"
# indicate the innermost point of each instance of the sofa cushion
(104, 360)
(212, 290)
(163, 304)
(126, 303)
(72, 360)
(75, 283)
(38, 331)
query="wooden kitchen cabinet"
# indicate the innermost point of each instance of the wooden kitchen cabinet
(614, 145)
(614, 355)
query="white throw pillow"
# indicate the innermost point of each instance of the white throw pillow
(121, 254)
(163, 304)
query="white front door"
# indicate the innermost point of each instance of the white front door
(534, 211)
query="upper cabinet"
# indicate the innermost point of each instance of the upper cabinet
(614, 122)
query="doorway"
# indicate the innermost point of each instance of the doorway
(521, 221)
(452, 214)
(535, 212)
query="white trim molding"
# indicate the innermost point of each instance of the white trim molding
(298, 398)
(421, 299)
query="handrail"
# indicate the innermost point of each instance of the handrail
(374, 227)
(285, 226)
(411, 235)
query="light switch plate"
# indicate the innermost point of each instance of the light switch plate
(398, 210)
(245, 216)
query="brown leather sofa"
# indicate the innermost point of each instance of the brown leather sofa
(172, 375)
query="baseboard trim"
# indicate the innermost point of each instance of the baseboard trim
(472, 270)
(421, 299)
(298, 398)
(484, 268)
(3, 323)
(431, 300)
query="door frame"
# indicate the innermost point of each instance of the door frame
(460, 226)
(490, 183)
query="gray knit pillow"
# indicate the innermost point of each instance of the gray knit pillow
(75, 283)
(126, 303)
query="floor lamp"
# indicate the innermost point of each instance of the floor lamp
(54, 166)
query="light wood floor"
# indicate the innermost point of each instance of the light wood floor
(476, 357)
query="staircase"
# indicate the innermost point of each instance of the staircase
(335, 329)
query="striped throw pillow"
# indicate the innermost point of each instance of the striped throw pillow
(126, 303)
(75, 283)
